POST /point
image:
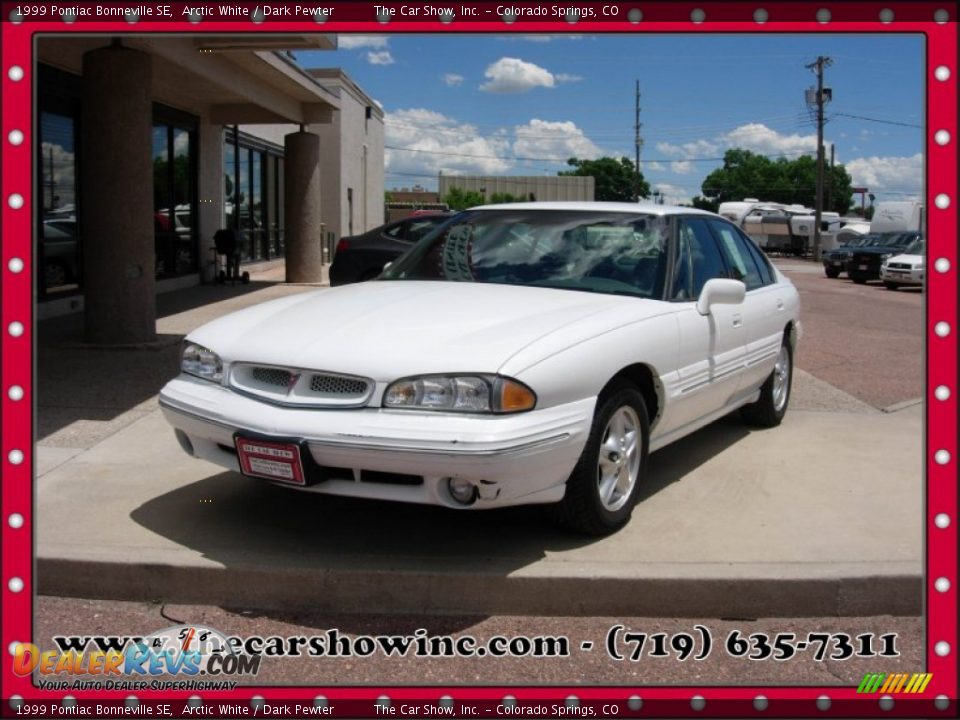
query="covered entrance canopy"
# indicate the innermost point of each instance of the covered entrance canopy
(148, 132)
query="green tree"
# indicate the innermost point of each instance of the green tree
(613, 179)
(460, 199)
(745, 174)
(504, 197)
(703, 203)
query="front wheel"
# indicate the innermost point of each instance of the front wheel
(770, 408)
(832, 273)
(859, 279)
(603, 487)
(891, 285)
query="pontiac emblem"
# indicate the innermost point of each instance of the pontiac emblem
(292, 381)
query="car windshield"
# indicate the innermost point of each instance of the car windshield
(915, 248)
(594, 251)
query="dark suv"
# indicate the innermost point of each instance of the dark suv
(865, 261)
(835, 260)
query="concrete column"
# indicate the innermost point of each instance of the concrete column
(301, 204)
(117, 179)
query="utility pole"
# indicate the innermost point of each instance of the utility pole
(833, 151)
(638, 145)
(817, 67)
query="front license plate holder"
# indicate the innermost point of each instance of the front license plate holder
(277, 459)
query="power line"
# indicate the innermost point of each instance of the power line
(878, 120)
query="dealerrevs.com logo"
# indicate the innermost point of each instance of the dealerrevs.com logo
(125, 662)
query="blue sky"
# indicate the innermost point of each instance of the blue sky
(520, 104)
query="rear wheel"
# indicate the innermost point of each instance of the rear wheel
(770, 408)
(832, 272)
(603, 487)
(859, 279)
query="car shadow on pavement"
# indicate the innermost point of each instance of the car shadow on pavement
(241, 522)
(78, 381)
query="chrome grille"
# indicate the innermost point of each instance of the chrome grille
(337, 385)
(271, 376)
(899, 266)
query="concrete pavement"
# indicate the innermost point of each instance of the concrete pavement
(820, 517)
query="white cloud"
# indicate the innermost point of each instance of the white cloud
(545, 139)
(758, 138)
(452, 79)
(565, 78)
(652, 166)
(903, 174)
(352, 42)
(512, 75)
(443, 142)
(698, 148)
(681, 167)
(383, 57)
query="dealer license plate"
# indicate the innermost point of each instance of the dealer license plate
(270, 460)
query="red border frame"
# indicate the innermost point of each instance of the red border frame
(941, 426)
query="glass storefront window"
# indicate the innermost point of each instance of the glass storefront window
(174, 203)
(59, 238)
(229, 183)
(253, 195)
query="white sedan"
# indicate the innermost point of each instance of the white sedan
(523, 353)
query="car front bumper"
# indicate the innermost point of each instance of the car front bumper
(511, 459)
(903, 277)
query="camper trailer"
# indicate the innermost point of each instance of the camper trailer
(897, 216)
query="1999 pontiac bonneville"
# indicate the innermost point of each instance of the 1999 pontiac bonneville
(524, 353)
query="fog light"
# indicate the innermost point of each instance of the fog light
(463, 491)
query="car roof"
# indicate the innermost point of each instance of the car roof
(582, 206)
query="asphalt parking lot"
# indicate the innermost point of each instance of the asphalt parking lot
(798, 524)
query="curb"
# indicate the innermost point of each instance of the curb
(387, 591)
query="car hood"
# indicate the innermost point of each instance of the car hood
(390, 329)
(904, 258)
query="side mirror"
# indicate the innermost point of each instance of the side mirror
(385, 267)
(720, 291)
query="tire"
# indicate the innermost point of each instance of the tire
(602, 489)
(891, 285)
(832, 273)
(859, 279)
(769, 410)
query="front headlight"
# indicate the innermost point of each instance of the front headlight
(460, 393)
(199, 361)
(885, 256)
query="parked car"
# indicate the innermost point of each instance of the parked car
(523, 353)
(905, 269)
(865, 261)
(362, 257)
(61, 261)
(835, 261)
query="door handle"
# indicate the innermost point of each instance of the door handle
(779, 304)
(737, 321)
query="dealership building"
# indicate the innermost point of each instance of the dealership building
(145, 146)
